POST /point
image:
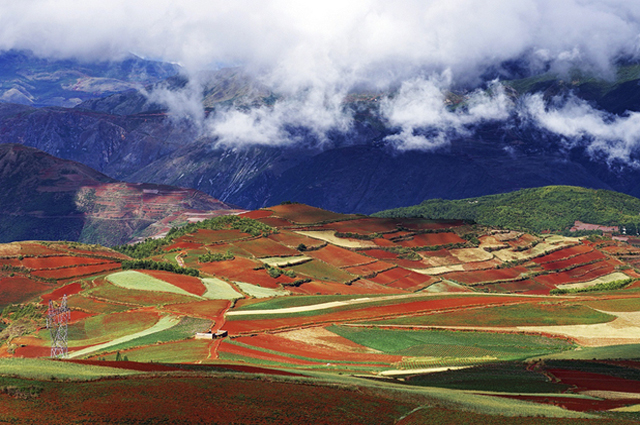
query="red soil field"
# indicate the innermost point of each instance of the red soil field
(70, 289)
(424, 224)
(339, 257)
(76, 315)
(59, 261)
(209, 309)
(191, 284)
(369, 269)
(578, 259)
(382, 242)
(305, 214)
(431, 239)
(563, 253)
(585, 381)
(320, 352)
(528, 286)
(31, 248)
(522, 241)
(359, 287)
(76, 271)
(265, 247)
(247, 326)
(398, 234)
(256, 214)
(292, 240)
(32, 351)
(225, 347)
(98, 251)
(242, 269)
(380, 254)
(275, 222)
(363, 226)
(19, 289)
(230, 268)
(183, 245)
(480, 276)
(14, 262)
(403, 279)
(579, 274)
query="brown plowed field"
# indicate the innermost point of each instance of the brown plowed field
(265, 247)
(369, 269)
(339, 257)
(579, 274)
(363, 226)
(18, 289)
(70, 289)
(293, 240)
(587, 381)
(575, 404)
(578, 259)
(431, 239)
(59, 261)
(183, 245)
(76, 271)
(256, 214)
(322, 353)
(305, 214)
(225, 347)
(564, 253)
(481, 276)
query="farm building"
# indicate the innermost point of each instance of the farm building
(211, 335)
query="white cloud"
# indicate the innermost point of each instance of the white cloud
(614, 137)
(420, 111)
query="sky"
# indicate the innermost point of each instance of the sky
(315, 52)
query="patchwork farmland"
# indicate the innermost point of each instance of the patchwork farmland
(438, 309)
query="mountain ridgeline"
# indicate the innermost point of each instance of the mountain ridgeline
(553, 208)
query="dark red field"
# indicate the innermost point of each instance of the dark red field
(481, 276)
(431, 239)
(339, 257)
(76, 271)
(18, 289)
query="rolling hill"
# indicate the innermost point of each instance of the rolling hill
(418, 312)
(47, 198)
(550, 208)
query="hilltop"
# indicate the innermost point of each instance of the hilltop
(47, 198)
(549, 208)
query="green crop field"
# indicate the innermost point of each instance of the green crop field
(627, 351)
(628, 304)
(260, 292)
(143, 282)
(511, 377)
(46, 368)
(120, 295)
(436, 343)
(186, 328)
(322, 271)
(103, 328)
(541, 314)
(218, 289)
(301, 301)
(188, 351)
(163, 324)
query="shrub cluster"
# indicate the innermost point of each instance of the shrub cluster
(157, 265)
(609, 286)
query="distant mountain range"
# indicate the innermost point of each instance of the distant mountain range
(29, 80)
(130, 137)
(47, 198)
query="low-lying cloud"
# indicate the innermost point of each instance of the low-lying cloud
(313, 53)
(614, 138)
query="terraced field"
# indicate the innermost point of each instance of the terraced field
(331, 298)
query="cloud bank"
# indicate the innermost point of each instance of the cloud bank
(313, 53)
